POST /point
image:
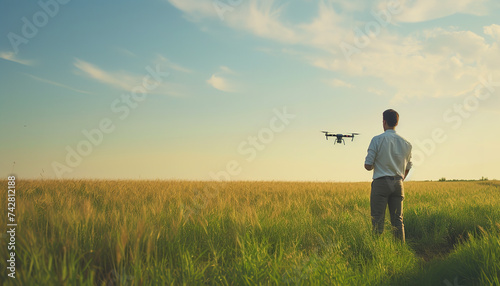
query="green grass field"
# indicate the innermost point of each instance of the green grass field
(249, 233)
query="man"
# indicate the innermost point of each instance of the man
(389, 155)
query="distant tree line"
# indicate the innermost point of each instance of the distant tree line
(443, 179)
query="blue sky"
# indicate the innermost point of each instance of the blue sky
(185, 89)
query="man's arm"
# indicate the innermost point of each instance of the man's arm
(409, 164)
(370, 157)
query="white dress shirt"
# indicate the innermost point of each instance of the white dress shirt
(389, 154)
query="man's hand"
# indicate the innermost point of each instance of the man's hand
(368, 167)
(406, 174)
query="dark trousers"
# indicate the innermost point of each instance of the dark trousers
(388, 191)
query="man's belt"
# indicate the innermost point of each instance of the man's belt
(392, 178)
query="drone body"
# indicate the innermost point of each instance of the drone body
(339, 138)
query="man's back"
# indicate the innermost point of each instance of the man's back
(390, 154)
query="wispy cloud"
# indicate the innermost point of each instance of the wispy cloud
(120, 80)
(493, 31)
(195, 9)
(220, 83)
(227, 70)
(57, 84)
(126, 81)
(375, 91)
(126, 52)
(263, 19)
(339, 83)
(351, 6)
(166, 62)
(260, 17)
(220, 80)
(425, 10)
(444, 61)
(11, 56)
(326, 31)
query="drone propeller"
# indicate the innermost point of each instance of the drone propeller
(326, 134)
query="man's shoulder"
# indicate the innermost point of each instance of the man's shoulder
(377, 138)
(402, 139)
(380, 136)
(391, 136)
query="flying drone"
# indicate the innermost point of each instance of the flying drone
(339, 137)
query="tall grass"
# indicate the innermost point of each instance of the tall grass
(246, 233)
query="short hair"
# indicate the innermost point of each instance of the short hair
(391, 117)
